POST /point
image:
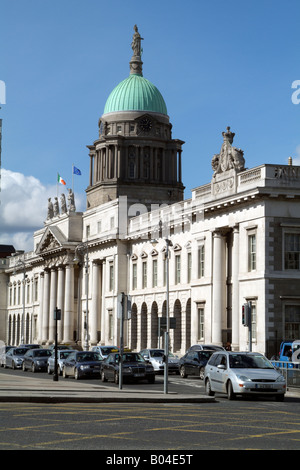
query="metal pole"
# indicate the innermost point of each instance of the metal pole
(87, 298)
(121, 342)
(168, 323)
(55, 375)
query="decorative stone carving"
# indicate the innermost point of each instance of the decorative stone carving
(63, 204)
(71, 201)
(50, 209)
(55, 207)
(229, 157)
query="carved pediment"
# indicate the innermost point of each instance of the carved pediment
(52, 240)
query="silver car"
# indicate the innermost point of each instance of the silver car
(243, 373)
(61, 358)
(14, 357)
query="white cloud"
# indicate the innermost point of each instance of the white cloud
(23, 208)
(296, 160)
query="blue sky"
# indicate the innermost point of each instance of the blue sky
(217, 64)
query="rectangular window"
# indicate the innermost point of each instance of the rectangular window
(252, 252)
(177, 269)
(165, 272)
(87, 231)
(201, 257)
(292, 322)
(144, 274)
(154, 273)
(189, 267)
(292, 251)
(110, 325)
(200, 322)
(36, 289)
(111, 276)
(253, 321)
(134, 276)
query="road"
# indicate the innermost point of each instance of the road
(178, 429)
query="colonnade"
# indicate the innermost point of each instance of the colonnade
(155, 164)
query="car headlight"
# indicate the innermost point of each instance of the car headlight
(280, 378)
(243, 378)
(84, 367)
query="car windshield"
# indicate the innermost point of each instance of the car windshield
(42, 353)
(108, 349)
(204, 354)
(249, 361)
(157, 353)
(20, 351)
(88, 357)
(130, 357)
(64, 354)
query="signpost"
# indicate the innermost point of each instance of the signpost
(57, 316)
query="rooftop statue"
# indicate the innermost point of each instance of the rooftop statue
(136, 42)
(229, 157)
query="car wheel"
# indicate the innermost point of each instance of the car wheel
(201, 373)
(103, 378)
(48, 369)
(182, 372)
(64, 373)
(208, 389)
(24, 367)
(33, 368)
(13, 365)
(279, 397)
(230, 393)
(76, 374)
(116, 378)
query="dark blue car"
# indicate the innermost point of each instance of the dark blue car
(194, 362)
(82, 364)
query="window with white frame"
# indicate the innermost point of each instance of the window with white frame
(251, 251)
(177, 269)
(189, 266)
(201, 259)
(110, 324)
(200, 321)
(292, 251)
(134, 276)
(154, 273)
(144, 266)
(111, 276)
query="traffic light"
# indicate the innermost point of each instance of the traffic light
(246, 314)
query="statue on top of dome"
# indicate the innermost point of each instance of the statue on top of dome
(136, 42)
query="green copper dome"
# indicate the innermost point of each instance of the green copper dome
(135, 93)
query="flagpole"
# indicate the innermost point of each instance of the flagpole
(73, 178)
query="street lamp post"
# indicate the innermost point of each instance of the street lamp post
(83, 249)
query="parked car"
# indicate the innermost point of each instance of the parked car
(243, 373)
(3, 351)
(60, 347)
(104, 351)
(134, 368)
(199, 347)
(14, 357)
(194, 362)
(156, 357)
(82, 364)
(36, 359)
(62, 355)
(30, 346)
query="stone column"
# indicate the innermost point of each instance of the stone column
(103, 322)
(69, 304)
(60, 301)
(93, 318)
(40, 316)
(45, 323)
(235, 290)
(219, 284)
(52, 304)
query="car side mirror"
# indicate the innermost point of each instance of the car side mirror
(221, 366)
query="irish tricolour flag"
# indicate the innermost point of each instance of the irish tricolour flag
(60, 180)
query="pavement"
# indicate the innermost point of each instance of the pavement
(14, 388)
